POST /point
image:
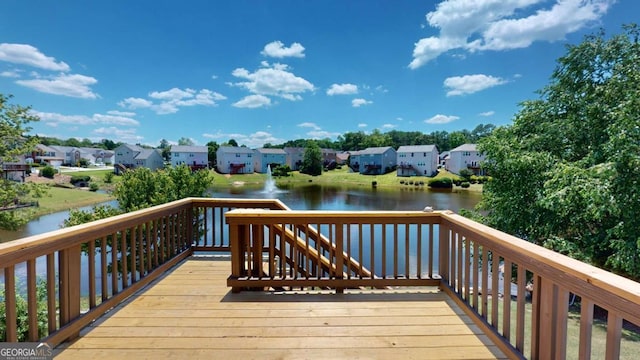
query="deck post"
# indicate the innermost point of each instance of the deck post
(237, 254)
(69, 276)
(443, 249)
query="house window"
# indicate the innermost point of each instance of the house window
(191, 155)
(237, 155)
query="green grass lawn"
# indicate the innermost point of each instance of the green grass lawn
(60, 199)
(335, 177)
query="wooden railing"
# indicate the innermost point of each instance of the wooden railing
(73, 275)
(395, 248)
(519, 293)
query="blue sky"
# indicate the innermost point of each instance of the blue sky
(271, 71)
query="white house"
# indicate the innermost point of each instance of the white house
(133, 156)
(196, 157)
(264, 157)
(234, 160)
(465, 157)
(417, 160)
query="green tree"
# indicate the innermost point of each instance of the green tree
(233, 142)
(312, 161)
(14, 120)
(183, 141)
(212, 148)
(565, 173)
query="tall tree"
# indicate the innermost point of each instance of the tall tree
(184, 141)
(14, 126)
(565, 173)
(312, 161)
(212, 148)
(233, 142)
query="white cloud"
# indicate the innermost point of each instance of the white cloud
(277, 49)
(322, 134)
(55, 119)
(253, 101)
(342, 89)
(399, 118)
(359, 102)
(441, 119)
(502, 24)
(74, 85)
(469, 84)
(214, 77)
(309, 125)
(121, 113)
(362, 125)
(135, 103)
(254, 140)
(120, 135)
(273, 80)
(28, 55)
(388, 126)
(381, 89)
(10, 74)
(171, 100)
(487, 113)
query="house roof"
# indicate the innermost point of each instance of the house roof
(45, 148)
(466, 147)
(417, 148)
(271, 151)
(235, 150)
(145, 153)
(131, 147)
(375, 150)
(189, 149)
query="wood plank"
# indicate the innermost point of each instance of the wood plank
(190, 313)
(311, 354)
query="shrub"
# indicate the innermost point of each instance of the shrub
(80, 178)
(22, 313)
(465, 184)
(108, 178)
(93, 187)
(466, 173)
(48, 171)
(441, 183)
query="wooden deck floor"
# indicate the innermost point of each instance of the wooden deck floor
(190, 313)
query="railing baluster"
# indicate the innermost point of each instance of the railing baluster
(495, 289)
(614, 334)
(114, 264)
(124, 258)
(32, 300)
(134, 250)
(103, 269)
(10, 301)
(431, 255)
(476, 272)
(520, 313)
(506, 300)
(51, 293)
(91, 263)
(586, 326)
(485, 282)
(419, 252)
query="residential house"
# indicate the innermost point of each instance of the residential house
(417, 160)
(264, 157)
(328, 156)
(56, 155)
(234, 160)
(295, 156)
(342, 158)
(49, 155)
(15, 170)
(354, 160)
(129, 156)
(377, 160)
(196, 157)
(465, 157)
(444, 157)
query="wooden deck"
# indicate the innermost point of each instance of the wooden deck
(191, 313)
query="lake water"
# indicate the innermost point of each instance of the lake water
(309, 197)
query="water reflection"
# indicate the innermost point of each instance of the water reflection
(323, 197)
